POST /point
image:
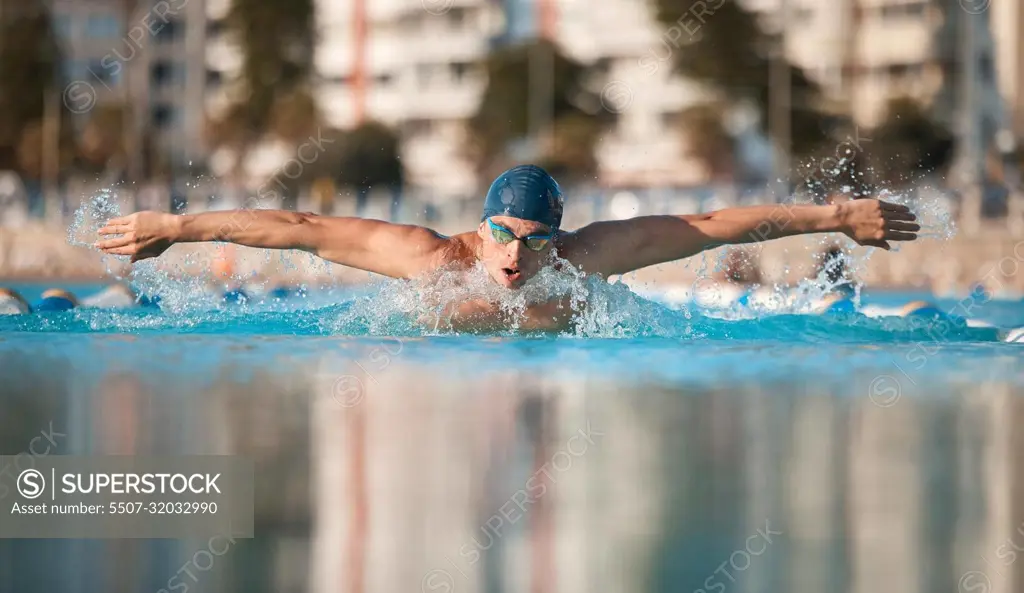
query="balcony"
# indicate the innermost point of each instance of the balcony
(217, 9)
(446, 100)
(223, 56)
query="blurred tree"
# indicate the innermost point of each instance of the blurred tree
(707, 139)
(370, 158)
(571, 156)
(276, 38)
(29, 58)
(294, 116)
(102, 141)
(727, 49)
(154, 161)
(363, 158)
(908, 144)
(503, 115)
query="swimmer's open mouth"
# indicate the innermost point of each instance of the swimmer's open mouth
(511, 273)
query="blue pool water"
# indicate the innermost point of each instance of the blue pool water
(678, 343)
(859, 446)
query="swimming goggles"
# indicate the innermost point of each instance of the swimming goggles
(504, 236)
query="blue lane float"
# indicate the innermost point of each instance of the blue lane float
(56, 300)
(283, 292)
(148, 301)
(12, 303)
(280, 293)
(235, 297)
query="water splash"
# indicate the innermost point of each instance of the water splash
(583, 307)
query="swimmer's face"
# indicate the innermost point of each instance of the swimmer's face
(512, 263)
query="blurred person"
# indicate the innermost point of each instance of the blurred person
(56, 299)
(111, 297)
(12, 303)
(838, 302)
(519, 234)
(922, 309)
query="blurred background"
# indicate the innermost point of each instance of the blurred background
(781, 456)
(406, 109)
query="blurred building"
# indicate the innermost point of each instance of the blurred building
(867, 52)
(414, 65)
(150, 59)
(1008, 30)
(646, 146)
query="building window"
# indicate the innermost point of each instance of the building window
(904, 10)
(424, 74)
(102, 26)
(164, 73)
(164, 116)
(62, 26)
(216, 28)
(74, 69)
(417, 127)
(803, 15)
(169, 32)
(338, 79)
(986, 70)
(214, 78)
(456, 17)
(459, 70)
(107, 76)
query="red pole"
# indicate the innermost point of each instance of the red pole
(548, 17)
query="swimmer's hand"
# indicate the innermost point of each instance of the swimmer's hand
(874, 223)
(142, 235)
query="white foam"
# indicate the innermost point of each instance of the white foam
(1015, 335)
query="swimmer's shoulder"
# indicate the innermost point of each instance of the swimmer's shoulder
(461, 248)
(570, 247)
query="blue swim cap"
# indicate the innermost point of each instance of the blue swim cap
(842, 306)
(527, 192)
(928, 312)
(280, 293)
(54, 303)
(235, 297)
(147, 301)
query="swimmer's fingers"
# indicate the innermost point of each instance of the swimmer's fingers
(121, 221)
(894, 225)
(112, 243)
(892, 215)
(900, 236)
(125, 250)
(879, 243)
(893, 207)
(129, 250)
(114, 229)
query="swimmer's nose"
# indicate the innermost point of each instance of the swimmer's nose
(516, 250)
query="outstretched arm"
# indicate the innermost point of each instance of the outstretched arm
(399, 251)
(618, 247)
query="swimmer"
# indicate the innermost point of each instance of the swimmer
(12, 303)
(115, 296)
(56, 299)
(836, 303)
(519, 234)
(922, 309)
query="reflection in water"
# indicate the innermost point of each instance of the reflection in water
(420, 477)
